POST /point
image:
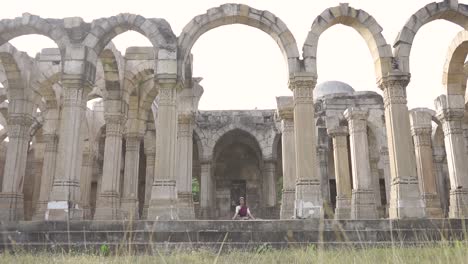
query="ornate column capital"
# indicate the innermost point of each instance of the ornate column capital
(302, 87)
(422, 136)
(450, 111)
(167, 94)
(339, 131)
(186, 118)
(18, 125)
(285, 106)
(286, 113)
(357, 120)
(114, 124)
(394, 87)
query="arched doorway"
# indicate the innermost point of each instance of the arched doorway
(237, 172)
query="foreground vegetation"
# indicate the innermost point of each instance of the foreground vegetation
(455, 253)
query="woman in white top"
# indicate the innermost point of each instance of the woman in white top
(242, 211)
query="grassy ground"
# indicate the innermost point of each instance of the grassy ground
(456, 253)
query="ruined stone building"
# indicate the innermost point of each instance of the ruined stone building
(90, 133)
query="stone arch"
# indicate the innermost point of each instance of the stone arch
(139, 74)
(228, 14)
(209, 140)
(359, 20)
(247, 138)
(15, 64)
(43, 83)
(275, 146)
(112, 63)
(158, 32)
(447, 10)
(454, 77)
(31, 24)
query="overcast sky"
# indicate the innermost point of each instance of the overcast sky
(243, 68)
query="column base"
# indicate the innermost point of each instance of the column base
(87, 213)
(108, 207)
(11, 207)
(41, 208)
(144, 214)
(129, 209)
(343, 208)
(63, 211)
(287, 204)
(405, 201)
(433, 207)
(363, 205)
(458, 203)
(163, 204)
(206, 213)
(308, 203)
(185, 208)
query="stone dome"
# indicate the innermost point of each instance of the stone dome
(332, 87)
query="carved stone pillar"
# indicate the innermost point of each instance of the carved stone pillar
(48, 171)
(363, 200)
(11, 197)
(129, 202)
(405, 199)
(342, 176)
(163, 204)
(206, 190)
(149, 176)
(65, 195)
(285, 112)
(308, 202)
(387, 177)
(322, 161)
(375, 177)
(85, 183)
(443, 183)
(269, 172)
(108, 201)
(450, 112)
(184, 166)
(421, 129)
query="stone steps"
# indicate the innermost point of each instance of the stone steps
(147, 235)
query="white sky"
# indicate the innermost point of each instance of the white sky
(243, 67)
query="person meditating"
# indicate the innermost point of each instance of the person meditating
(242, 211)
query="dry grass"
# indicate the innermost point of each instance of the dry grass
(442, 253)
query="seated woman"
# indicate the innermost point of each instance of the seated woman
(242, 211)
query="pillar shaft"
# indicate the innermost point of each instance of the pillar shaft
(342, 176)
(129, 202)
(421, 129)
(11, 197)
(184, 166)
(149, 177)
(85, 183)
(363, 200)
(65, 195)
(450, 111)
(164, 192)
(308, 202)
(48, 171)
(108, 201)
(289, 168)
(405, 199)
(206, 191)
(269, 172)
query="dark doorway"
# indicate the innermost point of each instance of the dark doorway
(238, 189)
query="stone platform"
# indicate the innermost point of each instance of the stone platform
(165, 235)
